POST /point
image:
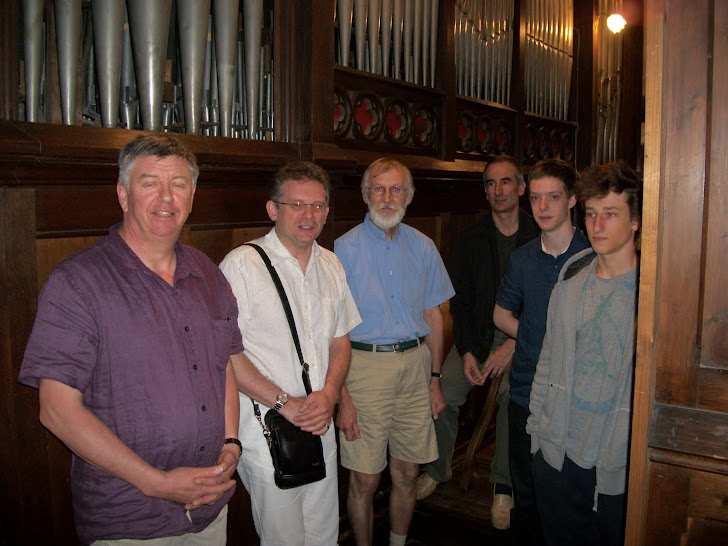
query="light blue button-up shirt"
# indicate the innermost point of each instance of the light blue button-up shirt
(392, 282)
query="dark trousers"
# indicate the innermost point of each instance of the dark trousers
(566, 503)
(525, 524)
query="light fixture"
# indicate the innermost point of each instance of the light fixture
(616, 23)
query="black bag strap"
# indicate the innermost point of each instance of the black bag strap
(289, 313)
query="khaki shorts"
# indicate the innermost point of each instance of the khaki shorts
(391, 394)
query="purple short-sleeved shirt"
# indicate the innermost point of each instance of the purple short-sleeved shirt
(150, 361)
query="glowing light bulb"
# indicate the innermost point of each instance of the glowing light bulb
(616, 23)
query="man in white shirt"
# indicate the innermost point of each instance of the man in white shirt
(324, 312)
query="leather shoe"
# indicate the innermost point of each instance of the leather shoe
(425, 486)
(500, 512)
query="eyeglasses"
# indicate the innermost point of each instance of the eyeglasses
(394, 191)
(300, 206)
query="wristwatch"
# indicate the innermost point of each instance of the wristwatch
(437, 374)
(281, 400)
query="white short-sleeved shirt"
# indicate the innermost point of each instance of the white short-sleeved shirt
(323, 309)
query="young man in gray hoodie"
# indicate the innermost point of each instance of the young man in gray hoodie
(581, 395)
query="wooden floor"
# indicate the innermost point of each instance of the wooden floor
(450, 516)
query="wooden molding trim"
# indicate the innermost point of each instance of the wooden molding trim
(688, 430)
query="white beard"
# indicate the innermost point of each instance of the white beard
(386, 222)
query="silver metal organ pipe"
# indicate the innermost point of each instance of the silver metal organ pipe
(68, 34)
(343, 15)
(397, 22)
(108, 23)
(408, 16)
(434, 18)
(386, 30)
(360, 31)
(149, 25)
(373, 14)
(425, 42)
(226, 34)
(129, 105)
(33, 55)
(253, 21)
(417, 40)
(193, 21)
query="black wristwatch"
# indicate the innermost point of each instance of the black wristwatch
(234, 441)
(437, 374)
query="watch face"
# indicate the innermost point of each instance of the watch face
(282, 398)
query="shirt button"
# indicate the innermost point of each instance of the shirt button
(187, 328)
(204, 408)
(194, 367)
(202, 448)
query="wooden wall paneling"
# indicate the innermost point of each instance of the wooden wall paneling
(69, 209)
(714, 339)
(321, 44)
(683, 176)
(688, 430)
(234, 206)
(705, 533)
(713, 389)
(51, 252)
(667, 510)
(708, 494)
(26, 452)
(649, 311)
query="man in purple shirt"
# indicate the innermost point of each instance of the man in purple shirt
(132, 352)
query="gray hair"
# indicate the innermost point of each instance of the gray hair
(158, 145)
(381, 166)
(298, 170)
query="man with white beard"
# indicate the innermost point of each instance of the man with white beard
(392, 392)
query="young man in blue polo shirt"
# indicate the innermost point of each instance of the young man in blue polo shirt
(531, 274)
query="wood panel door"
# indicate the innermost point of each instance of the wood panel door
(678, 484)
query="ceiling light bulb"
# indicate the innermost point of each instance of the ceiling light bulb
(616, 22)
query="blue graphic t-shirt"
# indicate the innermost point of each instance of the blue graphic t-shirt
(603, 321)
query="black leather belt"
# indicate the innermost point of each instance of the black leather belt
(389, 348)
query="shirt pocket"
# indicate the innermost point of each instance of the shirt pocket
(222, 336)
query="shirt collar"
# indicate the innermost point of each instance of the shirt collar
(131, 263)
(543, 248)
(279, 253)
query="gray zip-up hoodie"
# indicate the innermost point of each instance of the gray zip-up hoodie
(551, 393)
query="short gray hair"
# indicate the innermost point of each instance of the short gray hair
(159, 145)
(381, 166)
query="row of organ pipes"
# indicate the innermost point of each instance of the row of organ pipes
(405, 28)
(484, 49)
(549, 56)
(398, 38)
(221, 69)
